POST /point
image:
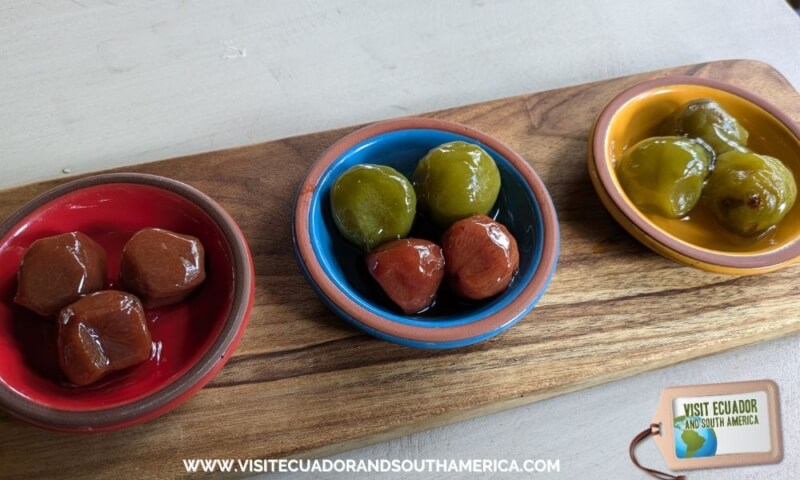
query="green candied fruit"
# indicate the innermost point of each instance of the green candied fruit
(456, 180)
(665, 175)
(749, 193)
(708, 121)
(373, 204)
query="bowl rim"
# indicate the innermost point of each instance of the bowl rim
(417, 335)
(181, 388)
(735, 260)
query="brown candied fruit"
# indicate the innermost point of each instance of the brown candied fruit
(102, 333)
(162, 267)
(481, 257)
(409, 270)
(56, 271)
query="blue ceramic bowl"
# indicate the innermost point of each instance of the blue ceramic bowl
(337, 270)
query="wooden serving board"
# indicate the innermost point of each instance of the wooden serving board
(304, 383)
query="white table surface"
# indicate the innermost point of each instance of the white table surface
(90, 84)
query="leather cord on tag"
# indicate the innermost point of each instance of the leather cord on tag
(654, 429)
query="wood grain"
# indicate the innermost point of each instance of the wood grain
(304, 383)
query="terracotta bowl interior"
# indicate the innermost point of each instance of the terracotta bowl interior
(184, 334)
(640, 116)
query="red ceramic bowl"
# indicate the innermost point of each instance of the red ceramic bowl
(193, 339)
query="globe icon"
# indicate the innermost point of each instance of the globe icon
(694, 442)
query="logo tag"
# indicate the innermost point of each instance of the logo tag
(721, 425)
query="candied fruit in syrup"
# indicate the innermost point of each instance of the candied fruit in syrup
(409, 271)
(56, 271)
(481, 257)
(372, 204)
(749, 193)
(456, 180)
(162, 267)
(706, 120)
(101, 333)
(665, 175)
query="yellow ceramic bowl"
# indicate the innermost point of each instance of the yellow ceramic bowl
(698, 240)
